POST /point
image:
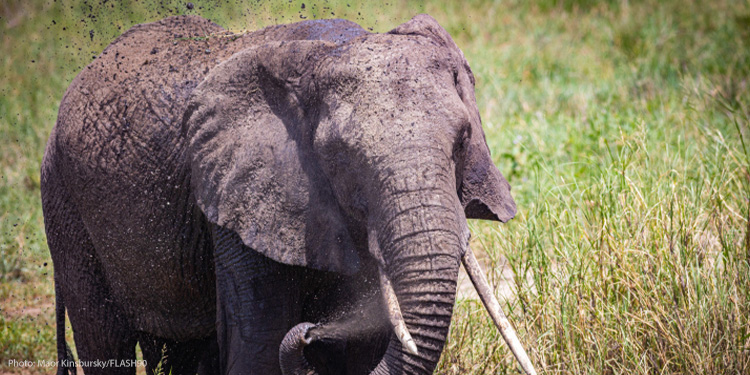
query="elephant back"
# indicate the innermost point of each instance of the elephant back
(123, 109)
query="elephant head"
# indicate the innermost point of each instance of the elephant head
(294, 143)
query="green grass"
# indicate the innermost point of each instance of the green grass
(622, 127)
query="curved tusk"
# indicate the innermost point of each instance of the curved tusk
(487, 296)
(394, 314)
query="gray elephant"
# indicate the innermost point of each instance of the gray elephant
(289, 200)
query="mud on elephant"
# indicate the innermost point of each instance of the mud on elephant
(208, 197)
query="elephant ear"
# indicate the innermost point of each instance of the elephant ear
(250, 129)
(484, 192)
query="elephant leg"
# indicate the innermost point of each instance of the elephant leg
(258, 301)
(177, 358)
(209, 364)
(100, 329)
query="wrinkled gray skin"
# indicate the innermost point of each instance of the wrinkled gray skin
(206, 195)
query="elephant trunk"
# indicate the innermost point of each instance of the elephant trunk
(422, 267)
(417, 234)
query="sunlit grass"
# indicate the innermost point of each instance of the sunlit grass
(620, 126)
(622, 141)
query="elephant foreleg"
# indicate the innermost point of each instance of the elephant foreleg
(258, 301)
(173, 357)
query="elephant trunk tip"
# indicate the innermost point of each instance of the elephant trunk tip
(291, 355)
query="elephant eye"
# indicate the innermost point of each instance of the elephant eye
(461, 143)
(460, 146)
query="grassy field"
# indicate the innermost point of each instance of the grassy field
(623, 128)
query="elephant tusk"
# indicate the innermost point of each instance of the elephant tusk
(394, 315)
(487, 296)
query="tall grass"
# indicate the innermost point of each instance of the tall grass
(623, 129)
(621, 125)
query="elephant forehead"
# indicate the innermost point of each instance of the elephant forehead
(386, 57)
(395, 99)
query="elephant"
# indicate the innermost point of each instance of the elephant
(290, 200)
